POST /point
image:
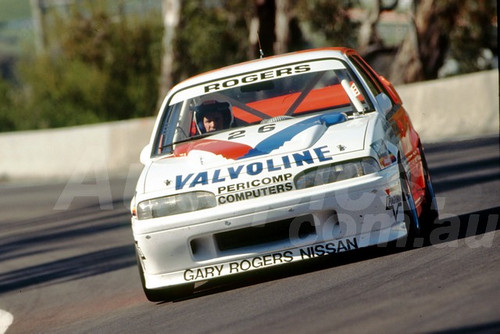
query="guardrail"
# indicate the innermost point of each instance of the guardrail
(448, 109)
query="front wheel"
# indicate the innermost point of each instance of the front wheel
(163, 294)
(430, 212)
(410, 211)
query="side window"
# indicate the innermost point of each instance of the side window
(166, 131)
(372, 86)
(385, 101)
(374, 78)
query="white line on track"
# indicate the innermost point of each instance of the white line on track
(6, 320)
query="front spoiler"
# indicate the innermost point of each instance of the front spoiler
(251, 263)
(356, 213)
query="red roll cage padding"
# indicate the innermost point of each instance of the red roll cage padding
(318, 99)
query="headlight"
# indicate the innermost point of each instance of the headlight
(335, 172)
(173, 205)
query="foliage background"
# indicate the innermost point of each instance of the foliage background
(102, 59)
(95, 68)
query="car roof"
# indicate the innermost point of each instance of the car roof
(263, 63)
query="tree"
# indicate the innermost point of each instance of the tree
(171, 11)
(440, 29)
(473, 39)
(210, 35)
(265, 11)
(456, 29)
(422, 53)
(97, 66)
(7, 113)
(329, 19)
(369, 40)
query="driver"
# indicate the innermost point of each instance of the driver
(213, 116)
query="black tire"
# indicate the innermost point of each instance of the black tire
(410, 212)
(163, 294)
(430, 214)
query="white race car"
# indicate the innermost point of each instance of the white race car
(274, 161)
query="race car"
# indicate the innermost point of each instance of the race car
(274, 161)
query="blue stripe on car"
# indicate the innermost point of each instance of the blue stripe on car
(278, 139)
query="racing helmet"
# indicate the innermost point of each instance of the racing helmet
(212, 106)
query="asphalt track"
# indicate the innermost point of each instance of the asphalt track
(67, 266)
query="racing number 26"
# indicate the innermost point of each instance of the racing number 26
(242, 133)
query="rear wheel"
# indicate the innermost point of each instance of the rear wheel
(163, 294)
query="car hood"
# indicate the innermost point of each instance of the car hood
(253, 150)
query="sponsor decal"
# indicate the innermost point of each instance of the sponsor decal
(277, 258)
(355, 89)
(254, 189)
(225, 148)
(393, 203)
(277, 138)
(255, 77)
(244, 79)
(282, 163)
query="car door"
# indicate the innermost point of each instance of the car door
(401, 131)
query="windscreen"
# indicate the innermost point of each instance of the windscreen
(258, 97)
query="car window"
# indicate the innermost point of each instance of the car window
(258, 97)
(373, 86)
(372, 81)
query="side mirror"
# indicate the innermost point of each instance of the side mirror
(145, 155)
(384, 102)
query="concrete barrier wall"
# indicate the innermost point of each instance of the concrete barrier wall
(81, 150)
(454, 108)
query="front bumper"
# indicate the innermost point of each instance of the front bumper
(274, 230)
